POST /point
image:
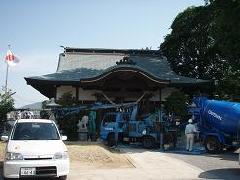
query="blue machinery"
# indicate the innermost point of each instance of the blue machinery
(124, 126)
(218, 123)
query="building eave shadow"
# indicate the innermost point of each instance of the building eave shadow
(224, 174)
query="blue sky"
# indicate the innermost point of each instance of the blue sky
(35, 29)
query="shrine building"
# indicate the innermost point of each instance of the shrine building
(113, 76)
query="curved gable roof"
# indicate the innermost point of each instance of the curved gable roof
(80, 64)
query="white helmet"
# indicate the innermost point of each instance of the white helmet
(190, 121)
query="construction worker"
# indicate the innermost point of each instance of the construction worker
(190, 131)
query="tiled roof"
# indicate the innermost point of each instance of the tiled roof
(80, 64)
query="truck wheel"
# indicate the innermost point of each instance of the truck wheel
(148, 142)
(63, 177)
(231, 148)
(111, 140)
(212, 145)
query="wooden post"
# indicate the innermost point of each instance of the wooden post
(160, 105)
(160, 120)
(77, 93)
(55, 91)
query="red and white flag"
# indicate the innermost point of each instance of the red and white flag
(11, 59)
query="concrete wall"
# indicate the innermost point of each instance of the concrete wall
(165, 93)
(65, 89)
(87, 95)
(84, 95)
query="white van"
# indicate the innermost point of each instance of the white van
(35, 149)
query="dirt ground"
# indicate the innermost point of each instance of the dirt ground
(2, 148)
(90, 155)
(96, 155)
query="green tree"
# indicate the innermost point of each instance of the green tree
(6, 105)
(190, 49)
(205, 43)
(176, 104)
(226, 30)
(229, 87)
(68, 121)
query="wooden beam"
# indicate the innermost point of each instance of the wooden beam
(77, 93)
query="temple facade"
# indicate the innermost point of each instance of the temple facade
(112, 76)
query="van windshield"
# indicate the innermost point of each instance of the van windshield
(35, 131)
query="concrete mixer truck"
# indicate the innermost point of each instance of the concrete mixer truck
(218, 123)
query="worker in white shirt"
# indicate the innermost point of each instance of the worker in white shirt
(190, 131)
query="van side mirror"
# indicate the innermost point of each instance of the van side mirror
(4, 138)
(64, 138)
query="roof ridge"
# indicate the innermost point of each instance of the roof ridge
(106, 50)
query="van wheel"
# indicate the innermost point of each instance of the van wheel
(212, 145)
(148, 142)
(111, 140)
(63, 177)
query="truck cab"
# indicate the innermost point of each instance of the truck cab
(113, 123)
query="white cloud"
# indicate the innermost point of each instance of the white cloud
(30, 65)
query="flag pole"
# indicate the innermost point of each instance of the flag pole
(6, 81)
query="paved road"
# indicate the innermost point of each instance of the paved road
(219, 166)
(156, 165)
(146, 165)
